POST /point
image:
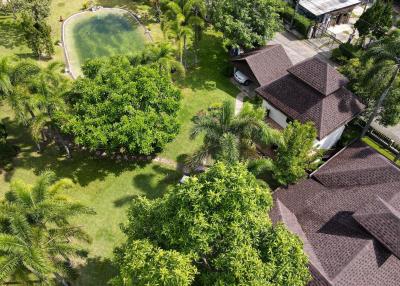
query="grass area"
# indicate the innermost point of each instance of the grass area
(101, 34)
(109, 186)
(385, 152)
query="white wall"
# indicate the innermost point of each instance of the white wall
(329, 141)
(275, 114)
(325, 143)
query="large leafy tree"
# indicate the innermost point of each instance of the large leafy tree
(36, 233)
(376, 21)
(120, 107)
(219, 219)
(157, 266)
(229, 137)
(296, 153)
(5, 81)
(37, 34)
(246, 23)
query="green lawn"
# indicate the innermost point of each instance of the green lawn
(105, 185)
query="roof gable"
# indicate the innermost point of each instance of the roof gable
(300, 101)
(382, 220)
(343, 251)
(264, 65)
(319, 75)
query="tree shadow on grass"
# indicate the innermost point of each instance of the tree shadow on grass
(82, 168)
(213, 65)
(97, 271)
(10, 36)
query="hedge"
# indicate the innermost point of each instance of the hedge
(301, 23)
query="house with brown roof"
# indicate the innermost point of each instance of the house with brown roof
(261, 66)
(348, 217)
(312, 91)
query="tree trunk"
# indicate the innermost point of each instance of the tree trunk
(184, 50)
(380, 102)
(61, 140)
(294, 14)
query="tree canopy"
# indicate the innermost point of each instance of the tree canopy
(376, 21)
(36, 233)
(219, 219)
(296, 153)
(123, 108)
(372, 74)
(246, 23)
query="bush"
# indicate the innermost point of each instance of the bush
(210, 84)
(301, 23)
(345, 52)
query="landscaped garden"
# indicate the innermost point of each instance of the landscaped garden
(92, 186)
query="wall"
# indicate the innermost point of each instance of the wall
(325, 143)
(275, 114)
(330, 140)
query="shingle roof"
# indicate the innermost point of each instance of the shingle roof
(302, 102)
(319, 7)
(264, 65)
(319, 75)
(343, 252)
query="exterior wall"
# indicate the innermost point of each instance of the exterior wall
(275, 114)
(330, 140)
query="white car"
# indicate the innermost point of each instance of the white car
(241, 77)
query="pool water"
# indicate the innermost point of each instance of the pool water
(102, 33)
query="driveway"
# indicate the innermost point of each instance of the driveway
(300, 49)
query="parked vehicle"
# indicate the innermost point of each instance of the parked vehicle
(241, 77)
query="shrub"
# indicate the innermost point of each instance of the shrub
(345, 52)
(301, 23)
(210, 84)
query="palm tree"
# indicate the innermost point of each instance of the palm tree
(385, 55)
(163, 54)
(35, 231)
(231, 138)
(182, 21)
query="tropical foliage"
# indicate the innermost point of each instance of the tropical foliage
(157, 266)
(183, 21)
(374, 77)
(36, 232)
(296, 153)
(246, 23)
(229, 137)
(220, 220)
(123, 108)
(376, 21)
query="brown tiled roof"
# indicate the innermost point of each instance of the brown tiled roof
(319, 75)
(302, 102)
(264, 65)
(326, 216)
(382, 219)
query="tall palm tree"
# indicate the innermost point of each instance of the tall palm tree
(162, 54)
(183, 20)
(385, 55)
(35, 231)
(231, 138)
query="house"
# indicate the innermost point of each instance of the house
(327, 13)
(312, 91)
(263, 65)
(348, 217)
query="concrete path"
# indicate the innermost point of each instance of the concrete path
(301, 49)
(164, 161)
(239, 102)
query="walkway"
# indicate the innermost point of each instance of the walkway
(239, 102)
